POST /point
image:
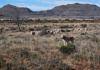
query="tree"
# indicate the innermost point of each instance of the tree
(14, 15)
(17, 18)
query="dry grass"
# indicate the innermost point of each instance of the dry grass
(24, 51)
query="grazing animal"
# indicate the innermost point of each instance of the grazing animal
(54, 31)
(33, 33)
(46, 32)
(68, 39)
(36, 32)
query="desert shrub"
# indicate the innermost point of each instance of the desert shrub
(1, 30)
(24, 53)
(2, 62)
(66, 26)
(68, 30)
(22, 67)
(13, 28)
(83, 33)
(67, 20)
(55, 64)
(23, 29)
(83, 25)
(62, 30)
(8, 66)
(2, 37)
(68, 49)
(31, 29)
(37, 28)
(34, 55)
(65, 30)
(72, 21)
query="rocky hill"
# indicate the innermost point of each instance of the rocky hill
(70, 10)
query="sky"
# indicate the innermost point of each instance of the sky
(38, 5)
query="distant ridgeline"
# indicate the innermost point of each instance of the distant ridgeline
(70, 11)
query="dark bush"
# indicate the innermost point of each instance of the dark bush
(31, 29)
(65, 26)
(2, 61)
(65, 30)
(68, 49)
(24, 53)
(1, 30)
(83, 25)
(9, 66)
(13, 28)
(21, 67)
(83, 33)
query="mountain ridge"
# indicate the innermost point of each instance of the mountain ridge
(70, 10)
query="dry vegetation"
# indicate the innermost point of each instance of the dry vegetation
(40, 46)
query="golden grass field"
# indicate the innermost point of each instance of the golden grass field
(21, 50)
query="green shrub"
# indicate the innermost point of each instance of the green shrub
(2, 61)
(68, 49)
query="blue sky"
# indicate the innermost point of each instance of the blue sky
(37, 5)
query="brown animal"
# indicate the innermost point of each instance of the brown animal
(33, 33)
(68, 39)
